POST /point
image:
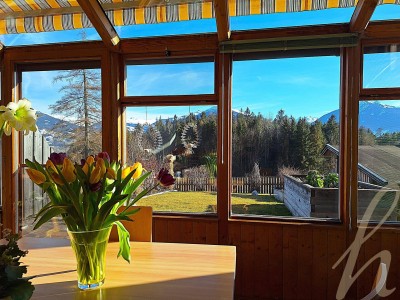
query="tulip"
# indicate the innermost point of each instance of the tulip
(95, 176)
(111, 173)
(68, 170)
(164, 178)
(89, 161)
(36, 176)
(138, 168)
(50, 166)
(125, 172)
(57, 158)
(103, 155)
(100, 163)
(95, 186)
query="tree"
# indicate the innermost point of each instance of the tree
(303, 144)
(80, 104)
(331, 130)
(317, 144)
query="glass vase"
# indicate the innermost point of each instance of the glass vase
(90, 252)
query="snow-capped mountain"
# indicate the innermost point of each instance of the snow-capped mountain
(373, 115)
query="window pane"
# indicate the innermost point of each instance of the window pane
(386, 12)
(184, 140)
(170, 79)
(68, 105)
(286, 124)
(276, 20)
(378, 159)
(381, 66)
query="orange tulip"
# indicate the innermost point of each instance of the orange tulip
(68, 170)
(95, 176)
(88, 163)
(111, 174)
(36, 176)
(100, 163)
(50, 166)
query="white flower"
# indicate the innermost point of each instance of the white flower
(19, 116)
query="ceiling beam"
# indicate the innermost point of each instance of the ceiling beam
(362, 14)
(101, 23)
(221, 8)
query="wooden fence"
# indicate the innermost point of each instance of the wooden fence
(35, 147)
(242, 185)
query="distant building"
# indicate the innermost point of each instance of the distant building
(377, 164)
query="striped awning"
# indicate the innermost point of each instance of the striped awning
(28, 16)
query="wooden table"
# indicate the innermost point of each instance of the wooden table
(157, 271)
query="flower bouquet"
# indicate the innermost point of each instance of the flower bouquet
(88, 197)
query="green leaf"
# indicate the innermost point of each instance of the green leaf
(50, 213)
(124, 244)
(30, 164)
(113, 218)
(21, 290)
(127, 212)
(15, 272)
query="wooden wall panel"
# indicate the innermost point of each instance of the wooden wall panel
(305, 254)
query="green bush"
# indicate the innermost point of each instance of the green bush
(315, 179)
(331, 180)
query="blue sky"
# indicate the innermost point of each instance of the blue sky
(302, 87)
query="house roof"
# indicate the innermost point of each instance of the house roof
(370, 172)
(371, 162)
(384, 160)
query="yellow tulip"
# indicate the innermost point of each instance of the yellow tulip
(138, 168)
(68, 170)
(125, 172)
(100, 163)
(111, 174)
(36, 176)
(95, 176)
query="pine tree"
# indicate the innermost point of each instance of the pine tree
(303, 144)
(80, 104)
(331, 130)
(317, 144)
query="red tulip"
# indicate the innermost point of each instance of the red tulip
(164, 178)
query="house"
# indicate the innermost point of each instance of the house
(295, 62)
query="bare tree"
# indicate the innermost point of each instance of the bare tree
(80, 105)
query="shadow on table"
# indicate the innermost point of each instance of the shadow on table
(201, 287)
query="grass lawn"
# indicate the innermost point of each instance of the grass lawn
(207, 202)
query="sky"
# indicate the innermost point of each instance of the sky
(303, 87)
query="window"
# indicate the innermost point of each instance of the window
(285, 131)
(182, 139)
(381, 66)
(378, 159)
(68, 104)
(170, 79)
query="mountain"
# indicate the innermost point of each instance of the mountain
(208, 112)
(374, 115)
(46, 123)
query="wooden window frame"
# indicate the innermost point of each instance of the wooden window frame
(367, 94)
(301, 54)
(173, 100)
